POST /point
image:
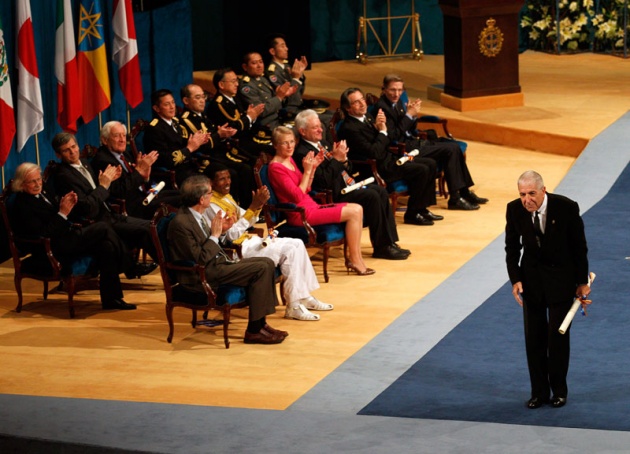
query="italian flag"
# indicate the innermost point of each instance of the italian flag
(68, 92)
(125, 52)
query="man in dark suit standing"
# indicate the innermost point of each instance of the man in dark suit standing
(36, 214)
(135, 177)
(191, 238)
(334, 173)
(552, 271)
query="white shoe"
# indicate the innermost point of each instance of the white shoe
(314, 304)
(300, 312)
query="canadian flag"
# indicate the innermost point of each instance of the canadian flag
(125, 52)
(68, 92)
(30, 109)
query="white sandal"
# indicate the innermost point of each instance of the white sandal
(314, 304)
(300, 312)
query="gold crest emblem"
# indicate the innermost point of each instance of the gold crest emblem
(490, 39)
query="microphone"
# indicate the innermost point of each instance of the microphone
(153, 192)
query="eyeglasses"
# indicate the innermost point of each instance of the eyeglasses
(286, 143)
(358, 101)
(199, 97)
(230, 81)
(33, 181)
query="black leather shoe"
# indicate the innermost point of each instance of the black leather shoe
(475, 199)
(119, 304)
(462, 204)
(141, 269)
(389, 253)
(536, 402)
(418, 219)
(557, 402)
(434, 217)
(405, 251)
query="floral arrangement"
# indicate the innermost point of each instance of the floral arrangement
(554, 25)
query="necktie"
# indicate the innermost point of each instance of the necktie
(175, 123)
(43, 197)
(206, 227)
(537, 230)
(347, 178)
(86, 175)
(125, 164)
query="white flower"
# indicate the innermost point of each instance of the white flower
(573, 6)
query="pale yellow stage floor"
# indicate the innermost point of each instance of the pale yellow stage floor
(124, 355)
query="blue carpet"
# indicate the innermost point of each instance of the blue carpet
(478, 372)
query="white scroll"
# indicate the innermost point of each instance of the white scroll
(358, 185)
(407, 157)
(577, 302)
(153, 192)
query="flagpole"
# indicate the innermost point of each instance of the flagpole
(128, 117)
(100, 123)
(3, 176)
(37, 148)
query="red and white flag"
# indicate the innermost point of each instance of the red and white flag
(30, 109)
(68, 91)
(7, 120)
(125, 52)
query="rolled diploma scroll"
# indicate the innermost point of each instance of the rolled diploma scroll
(354, 186)
(407, 157)
(153, 192)
(577, 302)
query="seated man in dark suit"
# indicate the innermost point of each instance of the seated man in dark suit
(76, 175)
(367, 138)
(172, 142)
(191, 238)
(36, 214)
(216, 149)
(135, 176)
(401, 125)
(334, 173)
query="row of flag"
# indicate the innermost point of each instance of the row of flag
(81, 70)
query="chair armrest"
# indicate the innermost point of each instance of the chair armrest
(322, 197)
(372, 164)
(44, 242)
(312, 235)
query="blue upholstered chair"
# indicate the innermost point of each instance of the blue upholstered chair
(34, 259)
(320, 236)
(223, 299)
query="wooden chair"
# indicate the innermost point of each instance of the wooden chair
(34, 259)
(320, 236)
(225, 297)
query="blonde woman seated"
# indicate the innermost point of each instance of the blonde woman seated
(291, 186)
(287, 253)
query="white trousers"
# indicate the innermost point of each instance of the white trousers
(295, 264)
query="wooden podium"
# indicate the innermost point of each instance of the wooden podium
(481, 54)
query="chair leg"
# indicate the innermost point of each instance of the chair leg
(70, 283)
(45, 290)
(169, 318)
(194, 318)
(394, 199)
(326, 255)
(226, 322)
(18, 288)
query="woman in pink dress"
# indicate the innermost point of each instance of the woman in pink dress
(291, 186)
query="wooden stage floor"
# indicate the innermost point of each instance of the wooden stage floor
(124, 355)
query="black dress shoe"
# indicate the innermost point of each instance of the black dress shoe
(406, 251)
(389, 253)
(557, 402)
(462, 204)
(118, 304)
(475, 199)
(141, 269)
(418, 219)
(434, 217)
(536, 402)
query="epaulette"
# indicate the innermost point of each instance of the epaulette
(185, 114)
(219, 98)
(285, 62)
(246, 79)
(154, 122)
(174, 119)
(271, 67)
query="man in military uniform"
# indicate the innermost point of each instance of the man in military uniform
(165, 134)
(194, 119)
(255, 88)
(279, 71)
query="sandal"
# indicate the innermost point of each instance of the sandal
(300, 312)
(314, 304)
